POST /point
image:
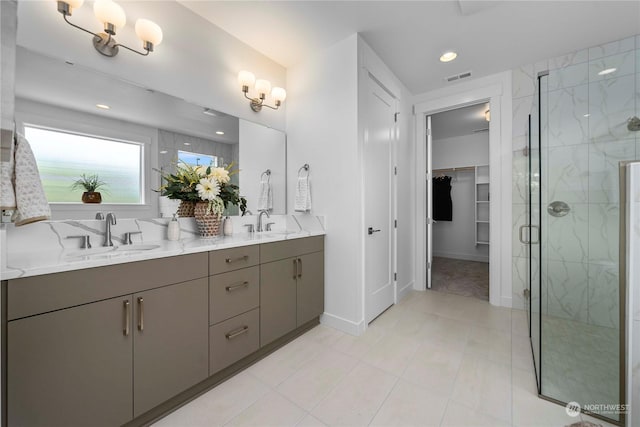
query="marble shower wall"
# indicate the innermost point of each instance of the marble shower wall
(584, 136)
(172, 142)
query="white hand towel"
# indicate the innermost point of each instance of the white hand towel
(31, 202)
(303, 195)
(7, 194)
(265, 198)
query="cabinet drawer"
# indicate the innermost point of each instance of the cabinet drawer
(290, 248)
(233, 339)
(233, 293)
(233, 259)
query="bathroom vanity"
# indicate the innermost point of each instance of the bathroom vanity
(131, 341)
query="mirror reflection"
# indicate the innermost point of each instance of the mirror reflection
(81, 121)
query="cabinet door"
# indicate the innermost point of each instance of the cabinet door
(71, 367)
(310, 291)
(277, 299)
(171, 330)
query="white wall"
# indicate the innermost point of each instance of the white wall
(31, 112)
(322, 131)
(196, 60)
(466, 150)
(262, 148)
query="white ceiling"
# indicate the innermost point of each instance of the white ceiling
(410, 36)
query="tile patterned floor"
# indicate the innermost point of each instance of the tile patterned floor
(460, 277)
(435, 359)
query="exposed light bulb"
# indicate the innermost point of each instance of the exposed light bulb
(263, 87)
(278, 94)
(109, 12)
(246, 79)
(149, 31)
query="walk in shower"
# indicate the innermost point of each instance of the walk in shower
(580, 128)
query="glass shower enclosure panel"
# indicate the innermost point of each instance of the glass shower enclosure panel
(579, 132)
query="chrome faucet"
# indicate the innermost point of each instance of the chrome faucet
(110, 220)
(260, 226)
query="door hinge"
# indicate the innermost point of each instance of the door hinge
(429, 132)
(428, 266)
(395, 223)
(395, 276)
(395, 170)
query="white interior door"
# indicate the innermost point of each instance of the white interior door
(429, 203)
(378, 194)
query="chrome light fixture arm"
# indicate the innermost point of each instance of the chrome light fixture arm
(105, 43)
(257, 103)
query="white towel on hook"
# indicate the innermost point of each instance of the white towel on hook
(265, 196)
(303, 195)
(31, 202)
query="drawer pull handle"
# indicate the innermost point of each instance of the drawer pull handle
(237, 285)
(242, 258)
(295, 268)
(141, 314)
(300, 265)
(231, 335)
(127, 317)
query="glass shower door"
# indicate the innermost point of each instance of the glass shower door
(530, 234)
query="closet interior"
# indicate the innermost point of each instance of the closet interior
(460, 193)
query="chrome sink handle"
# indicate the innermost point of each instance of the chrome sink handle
(85, 243)
(268, 226)
(127, 237)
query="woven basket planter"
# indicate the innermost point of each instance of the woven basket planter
(208, 223)
(186, 208)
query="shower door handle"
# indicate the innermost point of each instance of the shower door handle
(537, 228)
(523, 241)
(530, 227)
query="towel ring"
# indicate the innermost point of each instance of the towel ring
(267, 173)
(304, 167)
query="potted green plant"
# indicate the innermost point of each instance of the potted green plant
(89, 183)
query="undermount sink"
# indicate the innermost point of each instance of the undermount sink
(110, 252)
(136, 248)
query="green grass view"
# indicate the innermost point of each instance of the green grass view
(63, 157)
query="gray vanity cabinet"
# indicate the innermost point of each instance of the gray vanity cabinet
(277, 299)
(171, 350)
(291, 285)
(72, 367)
(310, 287)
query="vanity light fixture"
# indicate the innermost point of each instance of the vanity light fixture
(113, 17)
(448, 56)
(607, 71)
(262, 87)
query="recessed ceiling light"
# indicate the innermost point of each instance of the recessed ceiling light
(187, 143)
(103, 106)
(219, 132)
(448, 56)
(163, 151)
(586, 115)
(607, 71)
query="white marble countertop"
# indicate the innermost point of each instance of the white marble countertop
(34, 263)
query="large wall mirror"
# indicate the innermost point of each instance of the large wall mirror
(84, 121)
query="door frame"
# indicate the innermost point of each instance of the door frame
(495, 89)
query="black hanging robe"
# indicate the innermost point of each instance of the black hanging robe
(442, 205)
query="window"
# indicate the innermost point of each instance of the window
(197, 159)
(63, 156)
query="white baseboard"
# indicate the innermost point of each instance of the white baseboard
(506, 302)
(341, 324)
(466, 257)
(404, 290)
